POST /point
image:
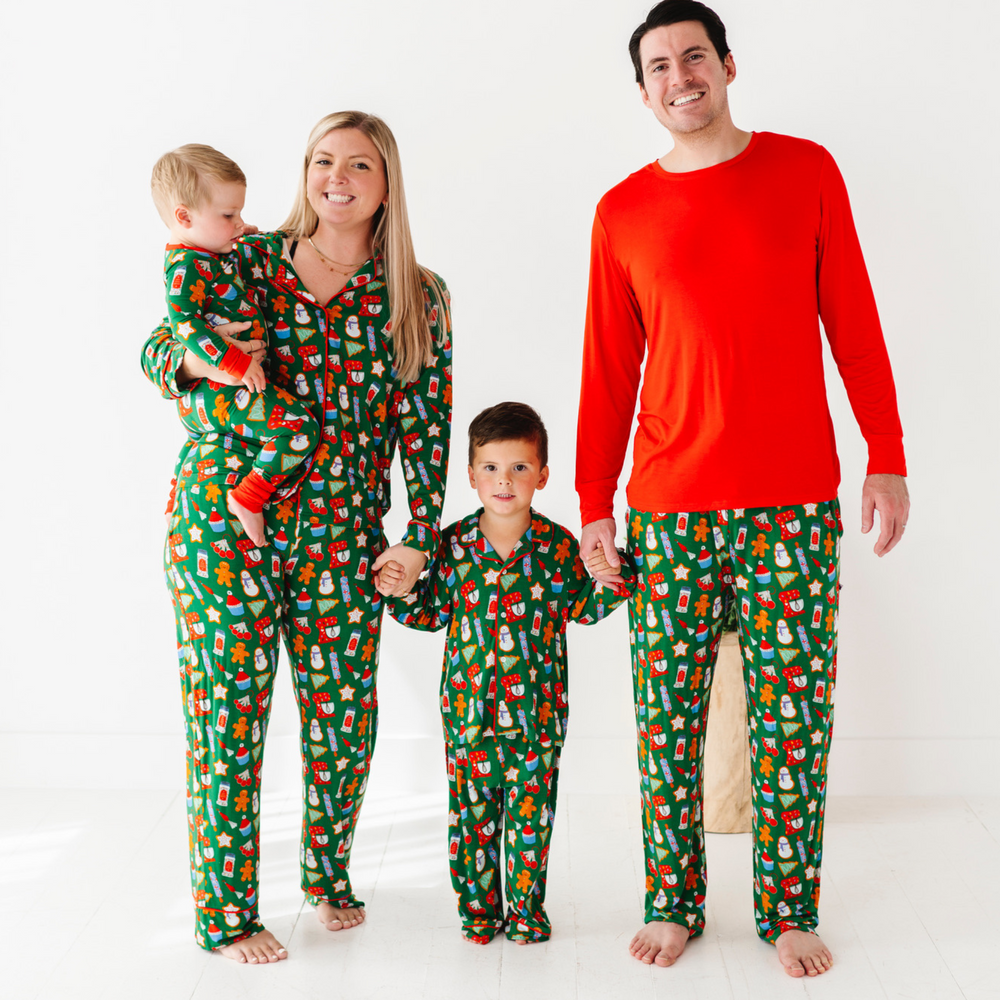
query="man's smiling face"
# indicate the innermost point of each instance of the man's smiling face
(684, 81)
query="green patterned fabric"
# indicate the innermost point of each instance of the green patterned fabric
(782, 563)
(504, 707)
(311, 584)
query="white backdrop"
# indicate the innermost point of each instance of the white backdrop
(512, 120)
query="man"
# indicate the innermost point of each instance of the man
(717, 261)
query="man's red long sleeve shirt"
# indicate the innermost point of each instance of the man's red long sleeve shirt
(721, 276)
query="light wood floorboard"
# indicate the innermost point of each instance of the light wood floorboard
(94, 906)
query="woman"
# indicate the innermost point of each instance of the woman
(328, 282)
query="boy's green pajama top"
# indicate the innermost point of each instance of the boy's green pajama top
(504, 706)
(204, 290)
(311, 584)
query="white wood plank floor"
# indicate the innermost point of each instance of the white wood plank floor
(94, 904)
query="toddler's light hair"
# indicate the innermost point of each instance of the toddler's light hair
(179, 177)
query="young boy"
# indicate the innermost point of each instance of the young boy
(199, 194)
(505, 581)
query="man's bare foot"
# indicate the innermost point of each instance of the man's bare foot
(335, 919)
(660, 942)
(803, 954)
(258, 949)
(252, 521)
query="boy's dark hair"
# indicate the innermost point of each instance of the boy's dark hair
(509, 422)
(670, 12)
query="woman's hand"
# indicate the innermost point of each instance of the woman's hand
(393, 583)
(193, 367)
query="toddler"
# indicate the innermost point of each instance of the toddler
(199, 194)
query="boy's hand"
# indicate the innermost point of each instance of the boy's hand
(254, 378)
(597, 550)
(412, 562)
(388, 577)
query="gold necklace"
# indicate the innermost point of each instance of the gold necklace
(338, 268)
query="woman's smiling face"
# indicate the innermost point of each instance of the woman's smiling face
(346, 183)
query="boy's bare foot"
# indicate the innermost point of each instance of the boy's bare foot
(252, 521)
(335, 919)
(473, 938)
(258, 949)
(660, 942)
(803, 954)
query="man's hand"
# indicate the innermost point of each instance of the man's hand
(888, 495)
(597, 550)
(412, 562)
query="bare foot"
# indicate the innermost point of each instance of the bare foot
(252, 521)
(660, 942)
(335, 919)
(473, 938)
(258, 949)
(803, 954)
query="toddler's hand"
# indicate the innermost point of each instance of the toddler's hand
(388, 577)
(254, 378)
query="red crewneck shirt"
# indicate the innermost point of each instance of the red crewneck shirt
(721, 276)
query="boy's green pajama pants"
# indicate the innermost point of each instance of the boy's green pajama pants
(501, 804)
(780, 564)
(232, 601)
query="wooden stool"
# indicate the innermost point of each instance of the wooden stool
(727, 753)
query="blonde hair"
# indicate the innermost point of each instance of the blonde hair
(179, 177)
(413, 340)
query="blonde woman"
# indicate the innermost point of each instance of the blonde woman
(359, 333)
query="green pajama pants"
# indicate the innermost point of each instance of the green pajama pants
(501, 804)
(281, 428)
(780, 565)
(229, 597)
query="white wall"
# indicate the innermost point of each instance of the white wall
(513, 119)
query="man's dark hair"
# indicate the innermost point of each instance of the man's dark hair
(670, 12)
(509, 422)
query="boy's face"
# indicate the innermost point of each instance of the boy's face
(216, 223)
(506, 474)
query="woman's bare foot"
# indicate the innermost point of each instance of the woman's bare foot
(258, 949)
(252, 521)
(803, 954)
(660, 942)
(335, 919)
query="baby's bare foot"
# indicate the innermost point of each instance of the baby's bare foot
(335, 919)
(660, 942)
(258, 949)
(252, 521)
(803, 954)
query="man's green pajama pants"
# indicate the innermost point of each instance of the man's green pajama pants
(780, 564)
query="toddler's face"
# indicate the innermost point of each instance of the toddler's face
(506, 474)
(217, 222)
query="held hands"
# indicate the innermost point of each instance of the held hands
(597, 550)
(396, 570)
(888, 495)
(389, 577)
